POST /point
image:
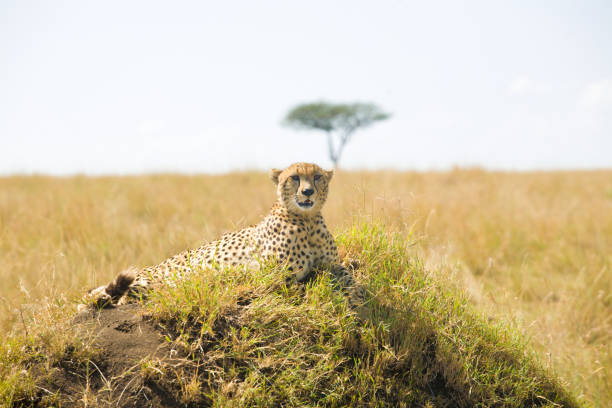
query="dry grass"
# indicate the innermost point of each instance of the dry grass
(534, 249)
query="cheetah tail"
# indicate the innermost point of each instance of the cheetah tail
(120, 285)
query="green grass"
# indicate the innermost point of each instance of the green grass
(253, 338)
(48, 341)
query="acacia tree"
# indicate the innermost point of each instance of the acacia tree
(338, 121)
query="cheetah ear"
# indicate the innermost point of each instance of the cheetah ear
(329, 174)
(274, 173)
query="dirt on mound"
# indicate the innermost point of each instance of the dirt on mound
(121, 374)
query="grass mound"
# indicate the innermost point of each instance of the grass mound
(242, 338)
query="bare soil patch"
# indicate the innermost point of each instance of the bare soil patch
(115, 377)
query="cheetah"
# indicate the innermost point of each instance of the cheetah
(293, 233)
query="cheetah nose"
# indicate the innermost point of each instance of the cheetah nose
(308, 192)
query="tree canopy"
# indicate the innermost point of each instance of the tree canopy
(339, 119)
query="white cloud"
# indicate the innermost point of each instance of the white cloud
(521, 86)
(596, 95)
(150, 126)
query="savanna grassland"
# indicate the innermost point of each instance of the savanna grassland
(531, 250)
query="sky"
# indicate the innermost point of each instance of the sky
(130, 87)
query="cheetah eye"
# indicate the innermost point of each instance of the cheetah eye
(296, 178)
(317, 176)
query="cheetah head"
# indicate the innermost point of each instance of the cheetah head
(302, 187)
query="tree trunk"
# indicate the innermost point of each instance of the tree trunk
(332, 155)
(343, 141)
